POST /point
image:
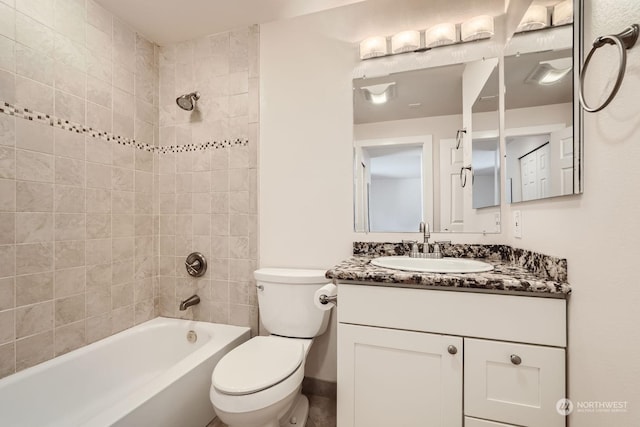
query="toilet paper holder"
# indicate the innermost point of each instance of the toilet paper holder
(326, 299)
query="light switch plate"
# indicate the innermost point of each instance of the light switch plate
(517, 224)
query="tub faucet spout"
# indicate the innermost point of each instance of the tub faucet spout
(192, 300)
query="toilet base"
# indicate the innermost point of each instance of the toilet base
(299, 413)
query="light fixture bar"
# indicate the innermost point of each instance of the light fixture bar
(440, 35)
(405, 41)
(563, 13)
(480, 27)
(373, 47)
(535, 18)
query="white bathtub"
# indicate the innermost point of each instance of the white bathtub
(149, 375)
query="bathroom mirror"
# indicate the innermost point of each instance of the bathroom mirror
(542, 126)
(421, 111)
(485, 145)
(398, 128)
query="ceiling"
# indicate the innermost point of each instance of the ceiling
(170, 21)
(438, 91)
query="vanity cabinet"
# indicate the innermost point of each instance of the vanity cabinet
(417, 357)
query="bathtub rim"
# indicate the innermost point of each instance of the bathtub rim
(146, 391)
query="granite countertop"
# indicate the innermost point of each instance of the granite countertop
(509, 276)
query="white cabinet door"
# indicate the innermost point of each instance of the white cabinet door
(398, 378)
(514, 383)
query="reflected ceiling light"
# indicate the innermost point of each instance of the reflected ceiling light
(373, 47)
(405, 41)
(440, 35)
(480, 27)
(563, 13)
(380, 93)
(550, 72)
(534, 19)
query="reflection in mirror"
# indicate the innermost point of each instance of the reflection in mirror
(542, 152)
(485, 145)
(423, 107)
(390, 177)
(429, 103)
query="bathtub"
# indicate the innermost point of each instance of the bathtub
(149, 375)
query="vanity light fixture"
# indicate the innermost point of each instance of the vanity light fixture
(563, 13)
(480, 27)
(550, 72)
(380, 93)
(405, 41)
(372, 47)
(440, 35)
(534, 19)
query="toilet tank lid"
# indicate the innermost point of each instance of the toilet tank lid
(290, 275)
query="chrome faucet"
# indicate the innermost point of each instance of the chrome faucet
(192, 300)
(424, 229)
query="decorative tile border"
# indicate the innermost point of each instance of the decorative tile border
(27, 114)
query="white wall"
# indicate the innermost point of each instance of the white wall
(305, 197)
(306, 114)
(599, 232)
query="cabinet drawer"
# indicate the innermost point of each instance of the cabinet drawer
(475, 422)
(467, 314)
(514, 383)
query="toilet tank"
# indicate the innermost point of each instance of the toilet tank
(285, 300)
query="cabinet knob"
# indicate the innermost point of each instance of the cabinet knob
(515, 359)
(452, 349)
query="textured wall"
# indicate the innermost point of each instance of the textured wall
(76, 211)
(208, 198)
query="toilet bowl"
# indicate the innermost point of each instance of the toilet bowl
(260, 381)
(258, 384)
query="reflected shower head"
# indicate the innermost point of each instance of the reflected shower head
(188, 102)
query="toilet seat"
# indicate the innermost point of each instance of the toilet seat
(258, 400)
(256, 365)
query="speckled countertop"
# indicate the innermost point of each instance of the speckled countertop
(516, 271)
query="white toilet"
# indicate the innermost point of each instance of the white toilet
(258, 384)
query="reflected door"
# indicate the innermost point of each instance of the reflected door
(562, 157)
(535, 174)
(451, 194)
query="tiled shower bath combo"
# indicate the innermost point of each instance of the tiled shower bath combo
(106, 185)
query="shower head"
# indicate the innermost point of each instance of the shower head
(188, 102)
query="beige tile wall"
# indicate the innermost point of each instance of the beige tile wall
(208, 199)
(77, 214)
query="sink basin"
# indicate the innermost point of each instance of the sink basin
(432, 265)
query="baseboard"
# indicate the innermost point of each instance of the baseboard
(319, 387)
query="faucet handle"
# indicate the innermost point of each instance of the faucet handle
(414, 247)
(423, 226)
